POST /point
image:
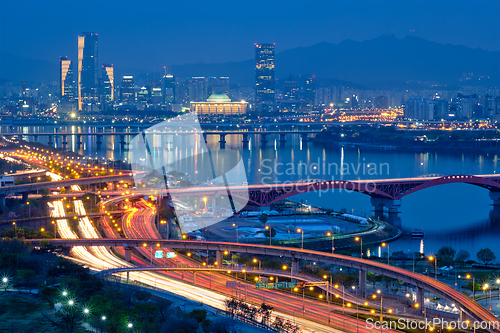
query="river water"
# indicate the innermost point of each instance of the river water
(458, 215)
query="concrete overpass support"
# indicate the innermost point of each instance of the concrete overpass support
(245, 139)
(282, 138)
(35, 138)
(495, 196)
(263, 140)
(67, 189)
(362, 283)
(219, 257)
(128, 254)
(379, 203)
(128, 277)
(222, 140)
(420, 299)
(295, 266)
(99, 139)
(213, 205)
(122, 141)
(25, 197)
(51, 140)
(115, 186)
(2, 200)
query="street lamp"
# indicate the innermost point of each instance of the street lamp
(333, 237)
(15, 228)
(359, 239)
(234, 225)
(328, 287)
(485, 288)
(432, 258)
(468, 276)
(498, 286)
(55, 228)
(257, 260)
(270, 234)
(388, 252)
(301, 231)
(381, 304)
(205, 201)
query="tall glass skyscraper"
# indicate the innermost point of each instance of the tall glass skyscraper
(88, 81)
(108, 83)
(168, 88)
(66, 79)
(264, 73)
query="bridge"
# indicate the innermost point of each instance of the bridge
(305, 135)
(383, 192)
(25, 189)
(421, 282)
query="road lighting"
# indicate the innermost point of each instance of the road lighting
(388, 252)
(381, 305)
(485, 288)
(15, 228)
(270, 234)
(205, 201)
(328, 287)
(302, 231)
(55, 228)
(432, 258)
(468, 276)
(234, 225)
(359, 239)
(257, 260)
(333, 237)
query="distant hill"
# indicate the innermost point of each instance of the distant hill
(385, 61)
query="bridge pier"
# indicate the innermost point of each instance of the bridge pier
(78, 141)
(35, 138)
(24, 197)
(222, 140)
(99, 139)
(194, 278)
(128, 277)
(122, 141)
(263, 140)
(420, 299)
(295, 266)
(51, 140)
(379, 203)
(115, 186)
(495, 196)
(128, 254)
(282, 139)
(218, 258)
(245, 139)
(64, 141)
(304, 137)
(362, 283)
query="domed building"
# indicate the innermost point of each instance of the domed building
(219, 104)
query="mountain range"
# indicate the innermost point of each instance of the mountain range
(385, 61)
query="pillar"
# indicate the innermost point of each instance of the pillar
(304, 137)
(263, 139)
(128, 276)
(282, 138)
(295, 266)
(495, 196)
(219, 257)
(25, 197)
(2, 200)
(222, 140)
(194, 278)
(35, 138)
(115, 186)
(420, 299)
(213, 204)
(99, 139)
(64, 141)
(362, 283)
(122, 141)
(379, 203)
(51, 140)
(128, 254)
(67, 189)
(245, 138)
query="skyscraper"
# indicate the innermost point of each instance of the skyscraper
(108, 80)
(310, 89)
(128, 89)
(88, 82)
(264, 73)
(66, 79)
(168, 88)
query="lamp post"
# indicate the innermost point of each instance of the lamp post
(359, 239)
(205, 201)
(329, 283)
(234, 225)
(270, 234)
(302, 232)
(381, 307)
(468, 276)
(432, 258)
(55, 228)
(333, 237)
(257, 260)
(485, 288)
(498, 286)
(15, 228)
(388, 252)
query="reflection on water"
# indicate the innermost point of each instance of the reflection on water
(458, 215)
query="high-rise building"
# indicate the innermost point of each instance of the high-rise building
(291, 90)
(128, 89)
(418, 108)
(108, 86)
(168, 88)
(264, 73)
(310, 89)
(88, 82)
(66, 79)
(381, 102)
(196, 89)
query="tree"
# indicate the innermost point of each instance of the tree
(486, 256)
(198, 314)
(446, 255)
(271, 231)
(263, 219)
(462, 257)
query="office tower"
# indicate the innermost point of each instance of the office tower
(417, 108)
(88, 82)
(218, 85)
(196, 89)
(264, 73)
(168, 88)
(310, 89)
(291, 90)
(144, 95)
(128, 90)
(66, 79)
(108, 86)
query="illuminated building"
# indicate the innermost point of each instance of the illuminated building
(143, 95)
(66, 79)
(156, 96)
(310, 89)
(291, 90)
(128, 90)
(219, 104)
(87, 69)
(264, 73)
(108, 90)
(168, 88)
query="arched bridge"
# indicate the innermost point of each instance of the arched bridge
(422, 282)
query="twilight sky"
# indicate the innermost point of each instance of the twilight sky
(149, 34)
